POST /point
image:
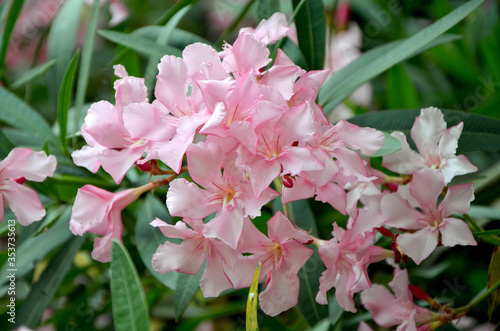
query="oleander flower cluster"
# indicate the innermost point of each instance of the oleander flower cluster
(246, 130)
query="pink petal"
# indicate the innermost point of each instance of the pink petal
(214, 280)
(455, 166)
(295, 254)
(456, 232)
(203, 58)
(404, 161)
(226, 226)
(186, 200)
(426, 186)
(270, 30)
(129, 90)
(298, 159)
(457, 200)
(449, 140)
(23, 162)
(247, 53)
(171, 84)
(102, 246)
(251, 239)
(427, 129)
(302, 189)
(23, 201)
(215, 91)
(334, 195)
(253, 205)
(87, 157)
(282, 293)
(366, 140)
(179, 230)
(145, 121)
(105, 125)
(118, 11)
(399, 213)
(419, 245)
(117, 163)
(204, 163)
(382, 305)
(281, 229)
(187, 257)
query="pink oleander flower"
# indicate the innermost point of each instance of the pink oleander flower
(98, 211)
(389, 309)
(227, 193)
(434, 223)
(436, 148)
(20, 165)
(346, 257)
(282, 256)
(188, 257)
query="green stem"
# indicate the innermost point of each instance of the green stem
(477, 300)
(490, 239)
(474, 224)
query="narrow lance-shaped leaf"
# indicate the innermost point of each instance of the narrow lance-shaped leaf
(480, 133)
(311, 32)
(266, 8)
(19, 114)
(494, 277)
(84, 72)
(186, 288)
(33, 74)
(130, 312)
(43, 291)
(64, 100)
(252, 302)
(400, 90)
(14, 11)
(393, 55)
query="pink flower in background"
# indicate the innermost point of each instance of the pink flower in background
(389, 309)
(20, 165)
(282, 256)
(188, 257)
(436, 148)
(98, 211)
(433, 224)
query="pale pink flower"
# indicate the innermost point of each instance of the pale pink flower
(98, 211)
(188, 257)
(436, 148)
(270, 30)
(389, 309)
(282, 256)
(433, 224)
(346, 257)
(23, 164)
(227, 193)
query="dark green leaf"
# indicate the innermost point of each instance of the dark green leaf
(43, 291)
(484, 212)
(309, 276)
(61, 40)
(335, 312)
(84, 71)
(186, 288)
(480, 133)
(5, 146)
(400, 90)
(148, 238)
(447, 327)
(17, 113)
(128, 301)
(392, 55)
(14, 11)
(175, 8)
(139, 44)
(294, 53)
(266, 8)
(33, 74)
(64, 100)
(36, 248)
(302, 215)
(311, 32)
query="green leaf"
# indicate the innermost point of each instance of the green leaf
(494, 277)
(64, 100)
(148, 238)
(294, 53)
(33, 74)
(139, 44)
(480, 133)
(84, 71)
(36, 248)
(266, 8)
(61, 40)
(486, 233)
(128, 301)
(302, 215)
(19, 114)
(311, 32)
(309, 276)
(5, 146)
(174, 9)
(391, 145)
(484, 212)
(14, 11)
(186, 288)
(447, 327)
(400, 90)
(393, 55)
(252, 323)
(43, 291)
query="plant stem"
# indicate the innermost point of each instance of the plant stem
(464, 309)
